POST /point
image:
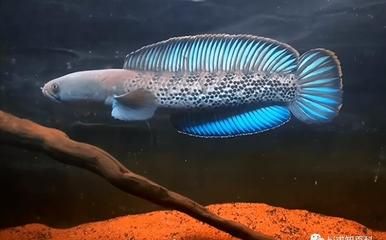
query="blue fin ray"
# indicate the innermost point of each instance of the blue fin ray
(230, 123)
(319, 96)
(215, 52)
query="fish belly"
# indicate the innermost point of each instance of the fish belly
(220, 89)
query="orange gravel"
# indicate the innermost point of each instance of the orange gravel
(171, 225)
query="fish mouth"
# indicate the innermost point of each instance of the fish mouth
(50, 95)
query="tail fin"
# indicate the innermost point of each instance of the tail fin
(319, 94)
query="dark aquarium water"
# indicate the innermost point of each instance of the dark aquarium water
(337, 168)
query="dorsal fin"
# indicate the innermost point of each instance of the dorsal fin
(215, 52)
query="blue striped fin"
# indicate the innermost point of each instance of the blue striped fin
(319, 95)
(217, 123)
(215, 52)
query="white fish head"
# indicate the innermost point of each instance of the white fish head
(51, 90)
(77, 86)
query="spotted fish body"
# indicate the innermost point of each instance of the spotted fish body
(218, 85)
(215, 89)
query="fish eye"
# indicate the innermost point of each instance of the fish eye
(55, 88)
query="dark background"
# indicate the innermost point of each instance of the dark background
(336, 168)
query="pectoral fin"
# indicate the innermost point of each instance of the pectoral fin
(135, 105)
(136, 99)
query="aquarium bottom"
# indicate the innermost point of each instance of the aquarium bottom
(274, 221)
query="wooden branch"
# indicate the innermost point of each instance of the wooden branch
(55, 143)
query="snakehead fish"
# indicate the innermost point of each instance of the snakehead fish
(216, 85)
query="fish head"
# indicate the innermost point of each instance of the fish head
(74, 87)
(51, 90)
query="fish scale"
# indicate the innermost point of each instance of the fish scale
(215, 89)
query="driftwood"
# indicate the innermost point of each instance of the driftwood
(55, 143)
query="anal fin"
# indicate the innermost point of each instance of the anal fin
(222, 124)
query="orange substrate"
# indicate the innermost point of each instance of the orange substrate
(277, 222)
